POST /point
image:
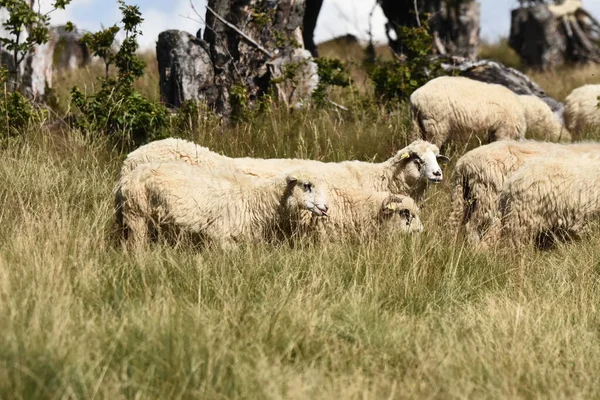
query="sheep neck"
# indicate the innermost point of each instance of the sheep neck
(267, 200)
(393, 178)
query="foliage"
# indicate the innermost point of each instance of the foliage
(427, 316)
(331, 73)
(23, 16)
(117, 108)
(16, 111)
(396, 80)
(100, 43)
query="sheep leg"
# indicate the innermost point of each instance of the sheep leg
(136, 229)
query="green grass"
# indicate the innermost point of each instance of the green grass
(425, 316)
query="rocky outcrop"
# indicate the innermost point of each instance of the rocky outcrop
(246, 51)
(185, 68)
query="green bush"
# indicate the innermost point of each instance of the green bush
(331, 73)
(117, 109)
(398, 79)
(16, 111)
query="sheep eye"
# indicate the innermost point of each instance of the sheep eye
(307, 187)
(406, 214)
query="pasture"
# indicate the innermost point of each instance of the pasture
(423, 316)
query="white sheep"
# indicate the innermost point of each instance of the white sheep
(551, 198)
(363, 214)
(479, 177)
(454, 108)
(219, 207)
(581, 110)
(542, 123)
(408, 172)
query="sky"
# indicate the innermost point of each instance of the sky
(337, 17)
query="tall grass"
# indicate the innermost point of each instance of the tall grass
(397, 317)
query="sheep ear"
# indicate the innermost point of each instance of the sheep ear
(402, 157)
(442, 158)
(391, 205)
(291, 179)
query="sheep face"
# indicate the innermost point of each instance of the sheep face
(402, 214)
(423, 166)
(307, 194)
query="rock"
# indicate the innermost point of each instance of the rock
(69, 52)
(185, 68)
(293, 91)
(246, 50)
(548, 36)
(62, 51)
(455, 25)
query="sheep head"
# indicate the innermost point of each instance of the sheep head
(419, 162)
(401, 213)
(306, 192)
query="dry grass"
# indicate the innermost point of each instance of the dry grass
(500, 51)
(401, 317)
(560, 82)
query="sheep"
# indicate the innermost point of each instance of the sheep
(542, 123)
(454, 108)
(408, 172)
(214, 207)
(581, 110)
(550, 199)
(363, 214)
(481, 173)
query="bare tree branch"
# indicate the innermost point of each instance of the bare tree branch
(242, 34)
(417, 14)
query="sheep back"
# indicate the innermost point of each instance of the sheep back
(457, 108)
(581, 110)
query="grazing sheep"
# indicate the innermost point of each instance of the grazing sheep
(407, 173)
(454, 108)
(542, 123)
(220, 207)
(581, 110)
(479, 177)
(356, 213)
(551, 198)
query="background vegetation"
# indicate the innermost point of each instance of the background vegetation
(399, 317)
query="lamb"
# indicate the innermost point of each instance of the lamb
(550, 199)
(479, 177)
(214, 207)
(454, 108)
(581, 110)
(356, 213)
(408, 172)
(542, 123)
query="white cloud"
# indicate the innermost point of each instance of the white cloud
(339, 17)
(182, 17)
(60, 17)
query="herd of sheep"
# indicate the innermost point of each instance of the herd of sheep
(519, 189)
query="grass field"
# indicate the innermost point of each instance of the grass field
(400, 317)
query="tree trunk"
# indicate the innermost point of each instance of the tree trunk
(309, 23)
(547, 36)
(455, 25)
(250, 47)
(35, 72)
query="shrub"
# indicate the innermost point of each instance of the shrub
(117, 109)
(331, 73)
(398, 79)
(21, 14)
